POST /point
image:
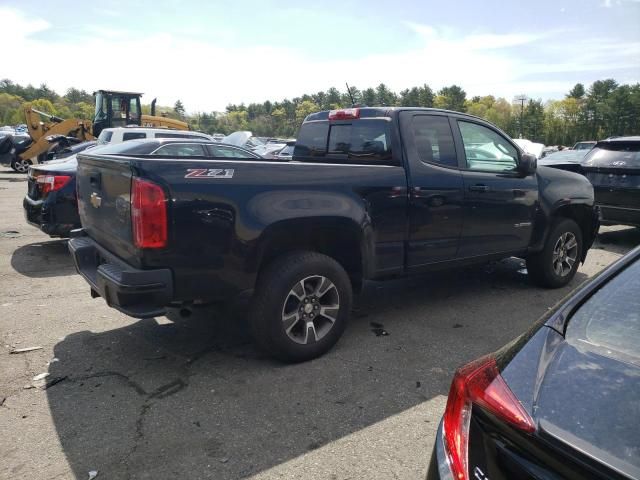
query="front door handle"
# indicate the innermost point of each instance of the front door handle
(479, 188)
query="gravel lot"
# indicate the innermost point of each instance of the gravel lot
(190, 397)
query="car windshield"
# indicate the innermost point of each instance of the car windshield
(609, 321)
(614, 154)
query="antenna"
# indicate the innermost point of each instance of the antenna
(353, 102)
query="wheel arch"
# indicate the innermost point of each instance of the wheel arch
(340, 238)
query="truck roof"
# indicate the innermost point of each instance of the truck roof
(377, 112)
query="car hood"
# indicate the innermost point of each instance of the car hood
(590, 401)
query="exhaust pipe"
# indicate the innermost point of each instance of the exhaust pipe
(153, 107)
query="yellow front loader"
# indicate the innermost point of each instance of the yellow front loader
(113, 109)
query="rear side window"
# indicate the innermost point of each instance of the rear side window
(229, 152)
(434, 140)
(609, 321)
(104, 137)
(312, 140)
(133, 136)
(181, 150)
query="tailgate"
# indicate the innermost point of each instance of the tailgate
(104, 194)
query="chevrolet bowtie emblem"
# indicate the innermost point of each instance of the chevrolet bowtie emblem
(96, 201)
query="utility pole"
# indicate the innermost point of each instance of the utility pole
(521, 99)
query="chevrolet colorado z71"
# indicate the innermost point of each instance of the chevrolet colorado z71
(371, 193)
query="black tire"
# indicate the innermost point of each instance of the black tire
(543, 267)
(21, 166)
(276, 295)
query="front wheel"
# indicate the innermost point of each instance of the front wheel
(301, 306)
(20, 165)
(557, 263)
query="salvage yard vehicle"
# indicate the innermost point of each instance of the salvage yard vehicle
(123, 134)
(561, 401)
(371, 193)
(51, 203)
(11, 146)
(613, 167)
(112, 109)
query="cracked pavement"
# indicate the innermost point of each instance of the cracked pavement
(190, 397)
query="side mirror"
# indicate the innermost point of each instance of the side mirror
(528, 164)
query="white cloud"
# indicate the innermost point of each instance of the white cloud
(208, 76)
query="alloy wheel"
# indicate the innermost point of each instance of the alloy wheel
(310, 309)
(565, 254)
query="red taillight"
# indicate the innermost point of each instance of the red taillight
(344, 114)
(478, 382)
(148, 214)
(51, 183)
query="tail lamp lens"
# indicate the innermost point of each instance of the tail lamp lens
(148, 214)
(479, 383)
(51, 183)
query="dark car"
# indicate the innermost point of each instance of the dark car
(51, 204)
(561, 401)
(11, 146)
(613, 168)
(64, 147)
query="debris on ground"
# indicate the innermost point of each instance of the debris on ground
(457, 325)
(10, 234)
(51, 382)
(53, 360)
(418, 384)
(2, 400)
(40, 376)
(378, 329)
(26, 349)
(93, 474)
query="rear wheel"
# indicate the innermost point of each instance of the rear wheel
(20, 165)
(556, 265)
(301, 306)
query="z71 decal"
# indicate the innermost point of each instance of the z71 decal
(209, 173)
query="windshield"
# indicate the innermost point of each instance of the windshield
(101, 108)
(583, 146)
(614, 155)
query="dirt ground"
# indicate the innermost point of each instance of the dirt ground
(176, 397)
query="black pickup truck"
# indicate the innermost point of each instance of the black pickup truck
(371, 193)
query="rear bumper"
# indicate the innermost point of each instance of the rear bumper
(55, 222)
(619, 215)
(137, 293)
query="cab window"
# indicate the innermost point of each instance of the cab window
(487, 150)
(312, 140)
(133, 135)
(434, 140)
(364, 141)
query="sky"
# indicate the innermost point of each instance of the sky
(212, 53)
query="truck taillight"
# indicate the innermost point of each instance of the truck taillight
(344, 114)
(148, 214)
(479, 383)
(51, 183)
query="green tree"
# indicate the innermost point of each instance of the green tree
(451, 98)
(178, 108)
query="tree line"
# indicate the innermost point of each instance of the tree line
(603, 109)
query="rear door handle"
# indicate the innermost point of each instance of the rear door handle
(479, 188)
